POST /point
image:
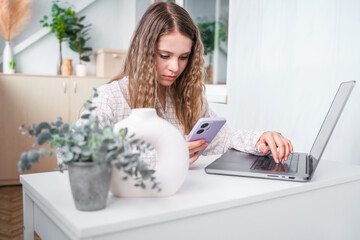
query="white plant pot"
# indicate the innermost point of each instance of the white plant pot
(7, 56)
(172, 155)
(81, 70)
(12, 71)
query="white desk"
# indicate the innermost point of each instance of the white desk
(206, 207)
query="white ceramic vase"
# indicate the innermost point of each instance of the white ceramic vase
(172, 154)
(7, 56)
(81, 70)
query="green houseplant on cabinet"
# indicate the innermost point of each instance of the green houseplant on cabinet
(77, 43)
(90, 150)
(62, 24)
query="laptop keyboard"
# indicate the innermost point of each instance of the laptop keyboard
(267, 163)
(264, 163)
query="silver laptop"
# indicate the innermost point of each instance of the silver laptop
(299, 166)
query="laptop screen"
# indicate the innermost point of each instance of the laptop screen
(330, 121)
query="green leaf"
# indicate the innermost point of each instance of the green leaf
(85, 58)
(23, 157)
(86, 152)
(123, 132)
(72, 47)
(67, 157)
(24, 164)
(43, 137)
(81, 143)
(58, 122)
(134, 141)
(54, 8)
(87, 106)
(75, 149)
(33, 156)
(43, 125)
(87, 49)
(61, 167)
(85, 116)
(65, 128)
(32, 132)
(146, 174)
(79, 138)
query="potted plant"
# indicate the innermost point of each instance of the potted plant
(12, 66)
(62, 24)
(90, 151)
(14, 15)
(77, 43)
(207, 30)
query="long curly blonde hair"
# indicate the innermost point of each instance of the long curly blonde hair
(186, 92)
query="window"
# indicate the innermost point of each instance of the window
(211, 16)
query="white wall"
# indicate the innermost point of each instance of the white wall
(286, 60)
(113, 22)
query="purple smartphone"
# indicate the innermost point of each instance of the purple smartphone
(205, 128)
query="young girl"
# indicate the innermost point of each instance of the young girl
(164, 70)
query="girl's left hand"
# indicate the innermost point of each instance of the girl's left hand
(276, 142)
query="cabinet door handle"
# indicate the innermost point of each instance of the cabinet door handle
(75, 87)
(64, 86)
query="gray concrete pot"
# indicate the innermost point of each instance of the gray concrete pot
(89, 188)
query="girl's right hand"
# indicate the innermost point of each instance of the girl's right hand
(195, 147)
